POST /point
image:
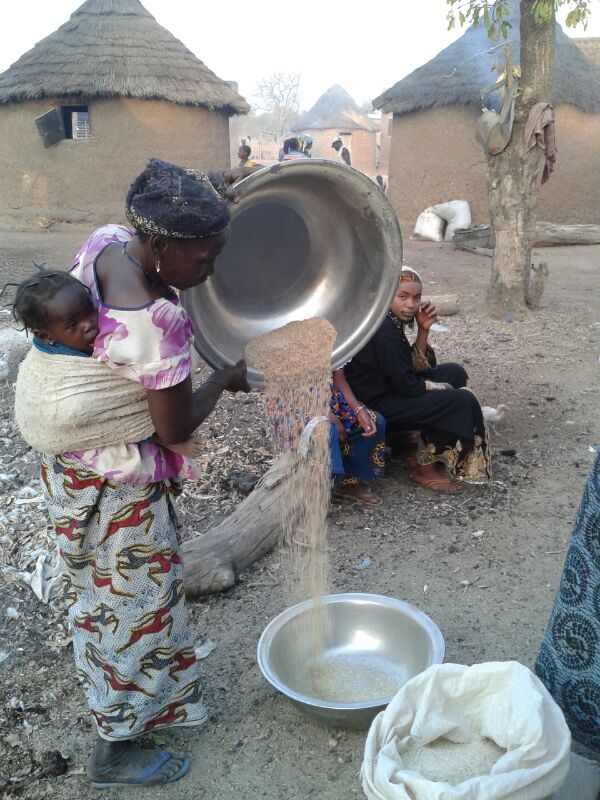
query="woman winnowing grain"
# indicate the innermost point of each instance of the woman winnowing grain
(112, 506)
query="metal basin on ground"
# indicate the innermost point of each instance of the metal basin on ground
(372, 646)
(308, 238)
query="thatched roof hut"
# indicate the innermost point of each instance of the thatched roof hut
(82, 111)
(458, 74)
(590, 47)
(335, 113)
(435, 111)
(115, 48)
(335, 109)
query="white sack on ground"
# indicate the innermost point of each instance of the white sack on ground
(457, 213)
(429, 226)
(503, 701)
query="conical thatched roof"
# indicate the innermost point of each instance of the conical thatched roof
(114, 48)
(590, 47)
(335, 109)
(457, 75)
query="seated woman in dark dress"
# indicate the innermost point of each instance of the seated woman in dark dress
(403, 383)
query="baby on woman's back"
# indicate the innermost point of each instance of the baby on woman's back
(59, 311)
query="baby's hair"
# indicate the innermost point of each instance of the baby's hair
(29, 308)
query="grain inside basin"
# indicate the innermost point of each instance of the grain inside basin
(372, 646)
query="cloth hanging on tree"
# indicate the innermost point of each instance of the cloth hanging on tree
(540, 132)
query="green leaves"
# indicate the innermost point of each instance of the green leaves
(542, 11)
(494, 14)
(579, 14)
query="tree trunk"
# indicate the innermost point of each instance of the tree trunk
(513, 173)
(212, 563)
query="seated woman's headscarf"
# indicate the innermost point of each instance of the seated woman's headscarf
(409, 274)
(175, 202)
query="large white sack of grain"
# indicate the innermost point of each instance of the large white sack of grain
(457, 213)
(429, 226)
(487, 732)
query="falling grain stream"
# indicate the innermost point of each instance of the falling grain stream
(296, 363)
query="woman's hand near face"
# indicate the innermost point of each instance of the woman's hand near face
(426, 316)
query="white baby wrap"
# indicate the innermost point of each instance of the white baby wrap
(69, 403)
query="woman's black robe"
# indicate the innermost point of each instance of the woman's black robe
(389, 375)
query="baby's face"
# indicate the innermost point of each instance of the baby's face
(72, 319)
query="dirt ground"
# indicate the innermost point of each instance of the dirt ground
(490, 593)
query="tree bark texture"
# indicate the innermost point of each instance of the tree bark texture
(213, 562)
(513, 173)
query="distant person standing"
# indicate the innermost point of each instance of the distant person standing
(342, 151)
(244, 154)
(381, 183)
(306, 144)
(291, 149)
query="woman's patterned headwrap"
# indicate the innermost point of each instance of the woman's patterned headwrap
(175, 202)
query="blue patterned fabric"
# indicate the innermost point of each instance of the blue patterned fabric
(569, 659)
(358, 456)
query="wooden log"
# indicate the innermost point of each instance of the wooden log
(447, 305)
(547, 234)
(213, 562)
(478, 251)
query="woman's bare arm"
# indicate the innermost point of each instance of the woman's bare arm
(177, 411)
(338, 378)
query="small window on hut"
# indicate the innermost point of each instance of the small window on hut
(75, 122)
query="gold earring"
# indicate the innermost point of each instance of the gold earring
(157, 265)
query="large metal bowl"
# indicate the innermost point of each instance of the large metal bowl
(308, 238)
(375, 635)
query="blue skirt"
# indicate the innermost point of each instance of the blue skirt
(569, 659)
(358, 456)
